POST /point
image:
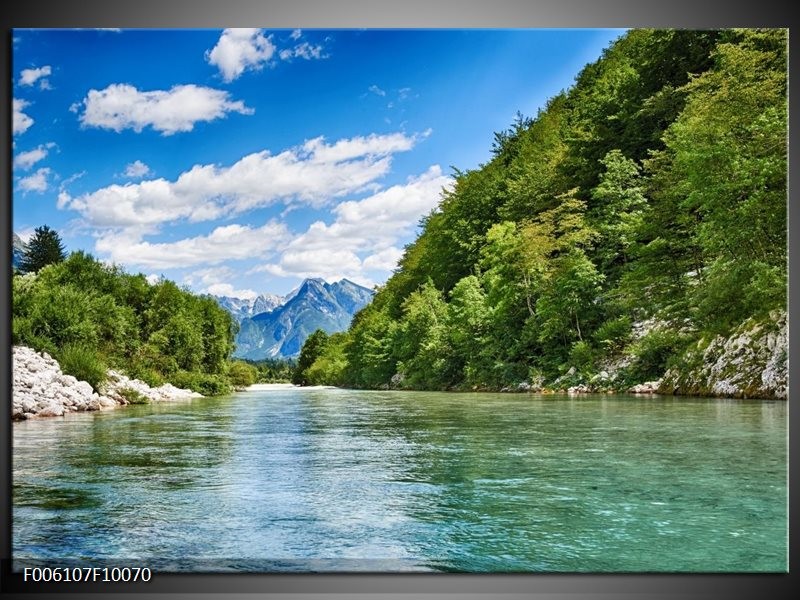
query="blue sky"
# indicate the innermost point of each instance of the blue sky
(241, 161)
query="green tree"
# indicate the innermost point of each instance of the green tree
(44, 248)
(425, 357)
(311, 350)
(330, 366)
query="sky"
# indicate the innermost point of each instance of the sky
(241, 161)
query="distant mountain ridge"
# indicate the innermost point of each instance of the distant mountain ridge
(18, 250)
(280, 330)
(242, 308)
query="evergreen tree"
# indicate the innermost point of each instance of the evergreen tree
(44, 248)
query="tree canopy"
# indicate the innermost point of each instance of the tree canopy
(639, 211)
(44, 248)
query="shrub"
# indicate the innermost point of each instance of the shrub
(614, 333)
(147, 374)
(83, 363)
(582, 357)
(132, 396)
(208, 385)
(242, 374)
(652, 353)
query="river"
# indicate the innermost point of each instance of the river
(287, 479)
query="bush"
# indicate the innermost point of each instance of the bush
(582, 357)
(83, 363)
(652, 353)
(132, 396)
(147, 374)
(208, 385)
(242, 374)
(614, 333)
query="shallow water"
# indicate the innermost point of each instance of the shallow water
(329, 479)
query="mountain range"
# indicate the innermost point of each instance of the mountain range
(276, 327)
(272, 326)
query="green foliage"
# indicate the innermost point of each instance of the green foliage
(91, 313)
(370, 355)
(582, 357)
(329, 367)
(311, 350)
(425, 357)
(655, 188)
(652, 353)
(83, 363)
(132, 396)
(206, 384)
(613, 334)
(273, 370)
(242, 374)
(44, 248)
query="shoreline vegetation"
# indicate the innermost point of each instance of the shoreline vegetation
(630, 237)
(633, 231)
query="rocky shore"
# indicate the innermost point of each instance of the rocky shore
(752, 362)
(41, 389)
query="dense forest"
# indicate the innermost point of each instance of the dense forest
(638, 214)
(90, 316)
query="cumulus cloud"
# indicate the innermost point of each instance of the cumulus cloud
(312, 173)
(226, 289)
(136, 169)
(29, 77)
(26, 160)
(295, 35)
(370, 227)
(21, 121)
(229, 242)
(304, 50)
(384, 260)
(122, 106)
(239, 50)
(376, 90)
(38, 182)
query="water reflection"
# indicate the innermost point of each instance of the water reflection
(469, 482)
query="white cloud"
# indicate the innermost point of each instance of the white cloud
(36, 182)
(25, 160)
(122, 106)
(153, 279)
(295, 35)
(304, 50)
(370, 227)
(29, 77)
(230, 242)
(208, 276)
(385, 260)
(239, 50)
(313, 174)
(376, 90)
(22, 122)
(226, 289)
(136, 169)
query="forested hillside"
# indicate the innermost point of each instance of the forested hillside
(639, 215)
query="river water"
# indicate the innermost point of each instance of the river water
(294, 479)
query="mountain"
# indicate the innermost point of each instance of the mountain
(242, 308)
(282, 330)
(18, 249)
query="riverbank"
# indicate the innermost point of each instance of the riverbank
(41, 389)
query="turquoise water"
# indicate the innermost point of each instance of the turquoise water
(328, 479)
